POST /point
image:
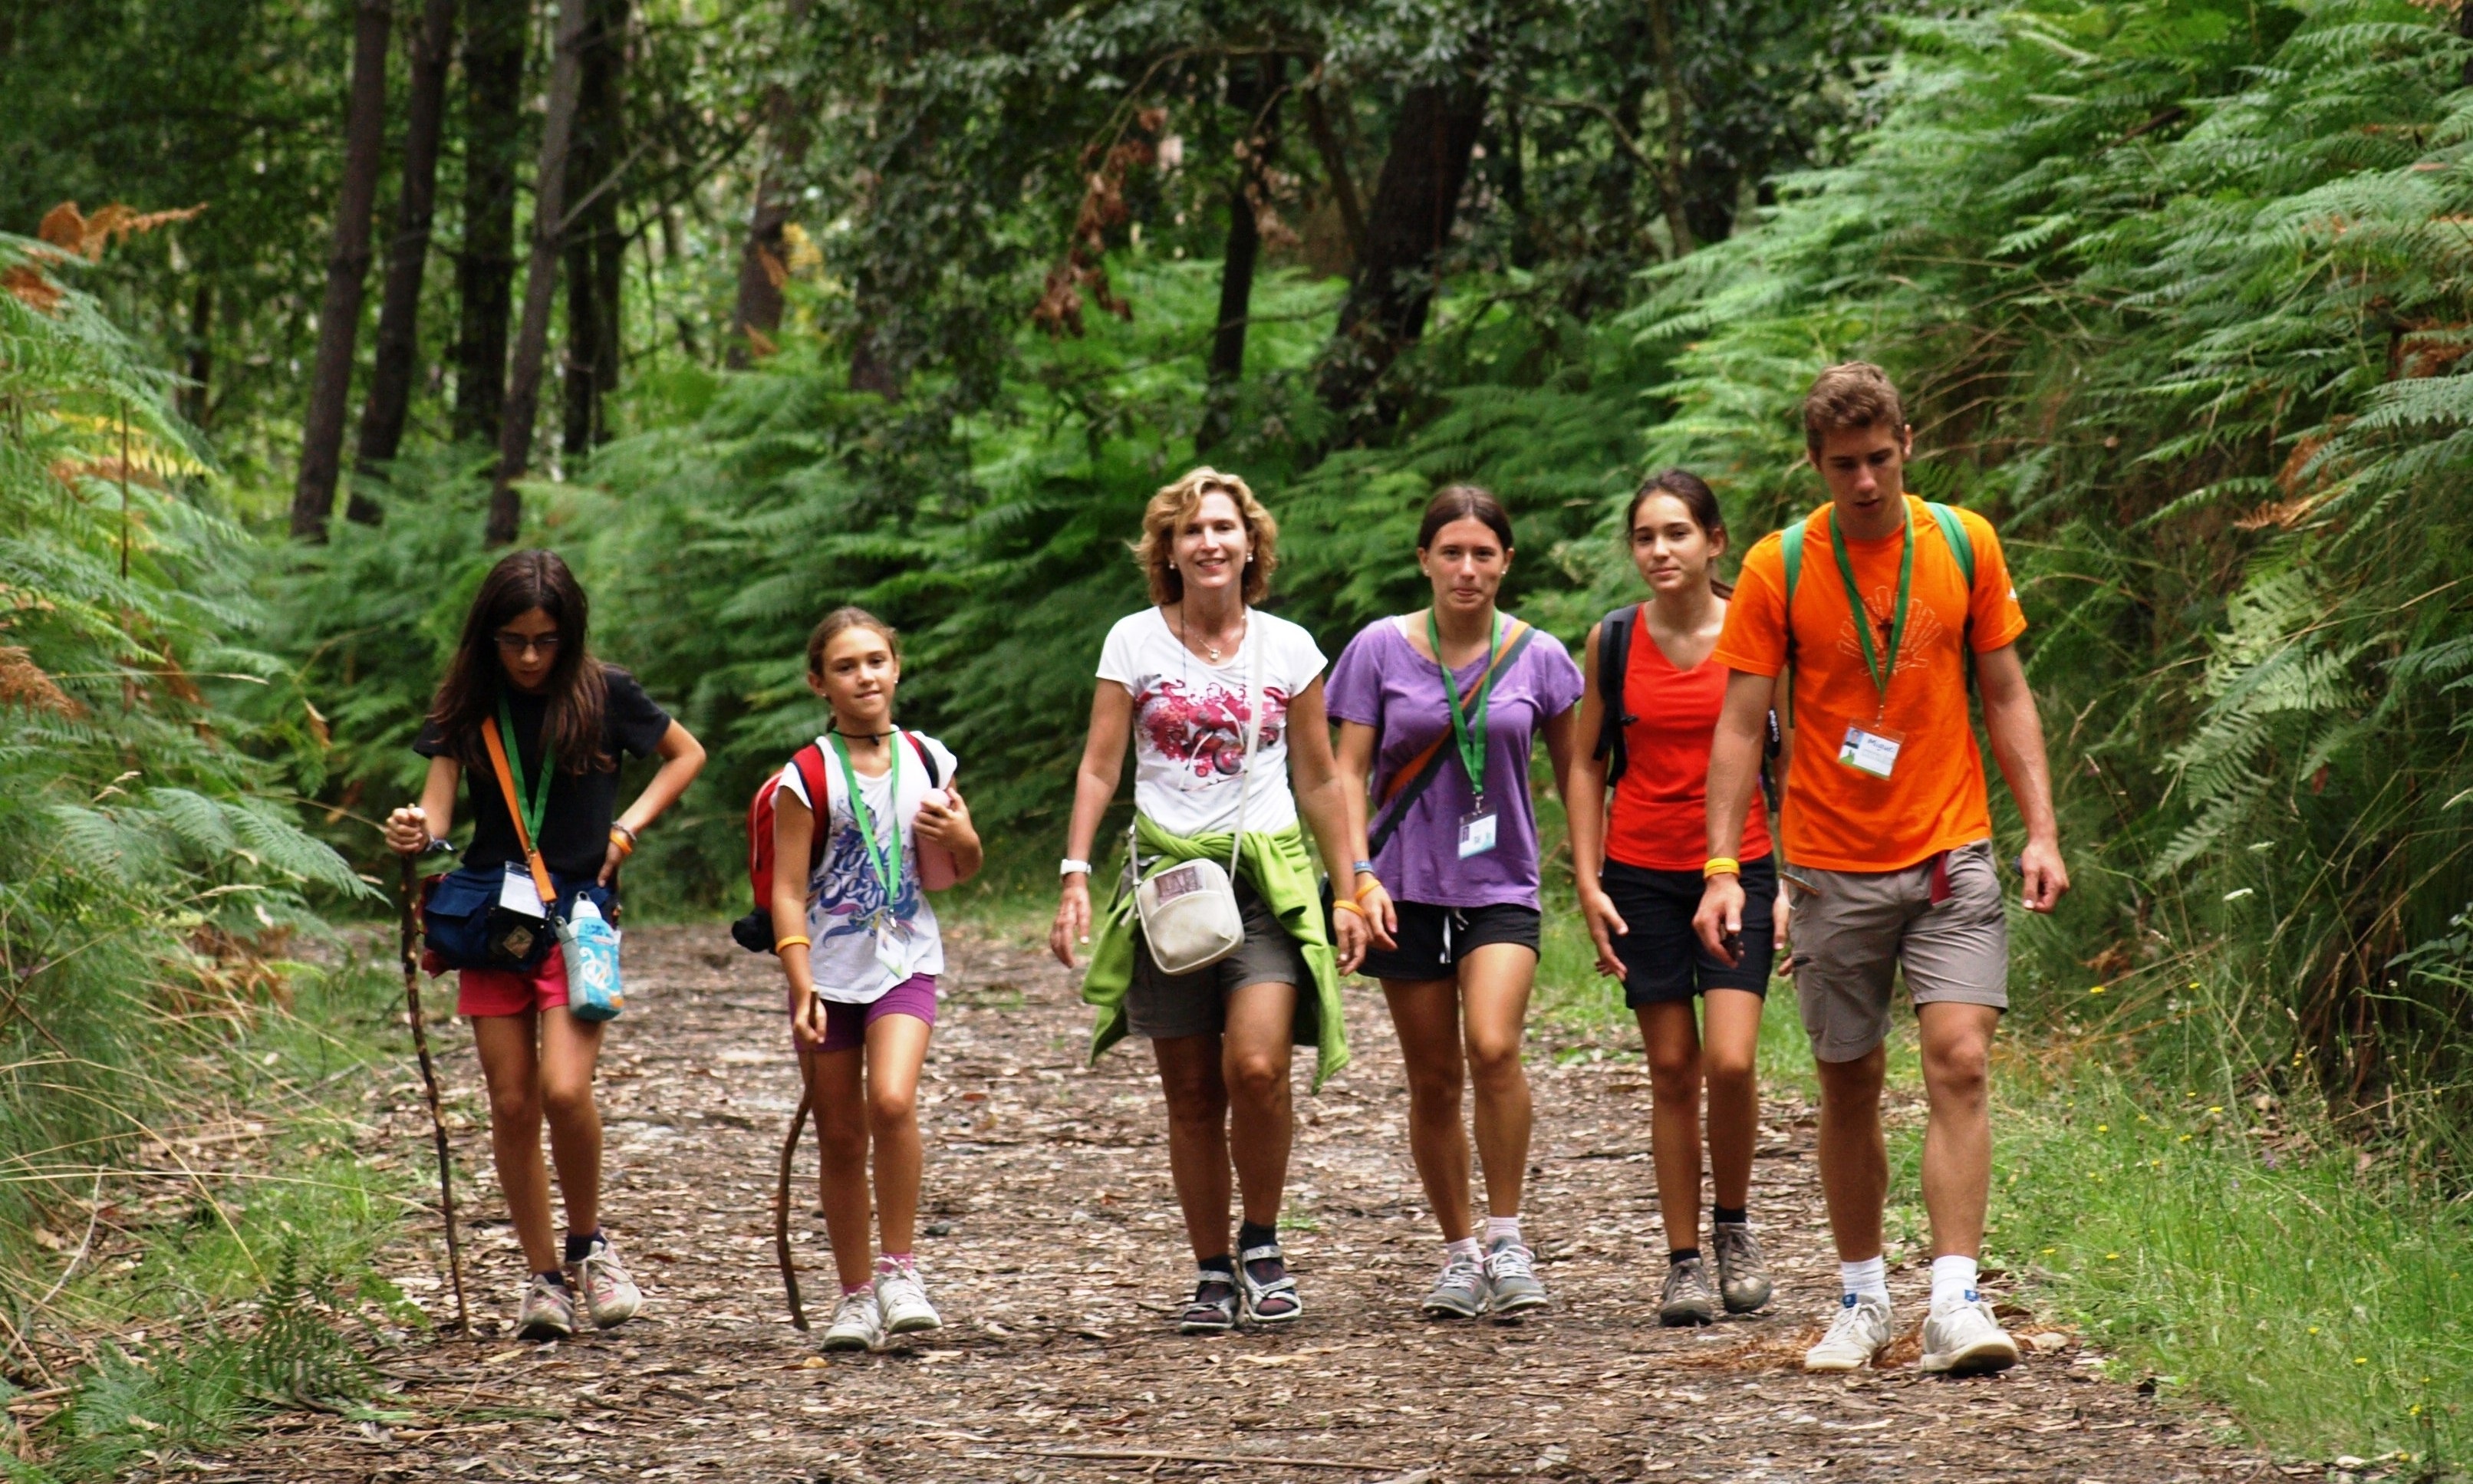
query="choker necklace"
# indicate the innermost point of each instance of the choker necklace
(862, 736)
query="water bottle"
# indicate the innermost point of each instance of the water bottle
(593, 991)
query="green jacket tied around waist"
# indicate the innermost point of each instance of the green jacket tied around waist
(1281, 870)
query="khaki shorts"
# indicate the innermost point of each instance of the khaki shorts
(1164, 1006)
(1852, 930)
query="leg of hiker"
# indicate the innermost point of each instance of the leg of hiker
(1195, 1085)
(1495, 981)
(1670, 1032)
(1958, 1132)
(511, 1069)
(1427, 1016)
(1853, 1156)
(569, 1050)
(836, 1069)
(1262, 1123)
(896, 1049)
(1729, 1057)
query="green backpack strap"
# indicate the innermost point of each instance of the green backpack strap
(1953, 532)
(1790, 551)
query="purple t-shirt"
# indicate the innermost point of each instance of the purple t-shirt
(1382, 681)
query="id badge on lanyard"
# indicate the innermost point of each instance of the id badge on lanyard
(1873, 750)
(517, 893)
(1477, 829)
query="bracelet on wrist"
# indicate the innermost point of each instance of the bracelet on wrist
(625, 842)
(1720, 866)
(1362, 868)
(621, 827)
(1072, 866)
(1339, 905)
(1369, 888)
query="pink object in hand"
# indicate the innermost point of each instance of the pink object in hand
(937, 870)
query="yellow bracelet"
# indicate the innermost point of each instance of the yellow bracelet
(1375, 885)
(625, 842)
(1348, 906)
(794, 940)
(1720, 866)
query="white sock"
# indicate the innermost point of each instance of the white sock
(1465, 1247)
(1499, 1229)
(1868, 1278)
(1952, 1281)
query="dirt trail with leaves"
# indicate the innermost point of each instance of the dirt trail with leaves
(1054, 1251)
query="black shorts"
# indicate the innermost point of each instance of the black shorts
(1432, 940)
(1662, 960)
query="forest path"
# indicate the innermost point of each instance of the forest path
(1055, 1250)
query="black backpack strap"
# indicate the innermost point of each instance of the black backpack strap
(926, 760)
(1614, 664)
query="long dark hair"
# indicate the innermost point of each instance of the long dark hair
(467, 698)
(1463, 502)
(1699, 502)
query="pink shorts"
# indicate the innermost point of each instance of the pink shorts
(846, 1026)
(508, 991)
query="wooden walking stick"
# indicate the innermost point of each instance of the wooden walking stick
(782, 1193)
(410, 933)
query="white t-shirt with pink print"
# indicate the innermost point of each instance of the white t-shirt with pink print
(1189, 718)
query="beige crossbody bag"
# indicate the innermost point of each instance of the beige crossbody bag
(1189, 912)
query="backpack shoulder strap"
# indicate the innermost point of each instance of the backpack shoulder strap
(1960, 545)
(926, 760)
(1790, 551)
(1614, 665)
(809, 760)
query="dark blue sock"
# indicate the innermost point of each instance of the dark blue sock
(553, 1278)
(1250, 1236)
(1730, 1215)
(578, 1248)
(1223, 1264)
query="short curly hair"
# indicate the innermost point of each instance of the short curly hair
(1175, 504)
(1851, 394)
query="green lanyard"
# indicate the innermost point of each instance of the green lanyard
(1884, 670)
(1468, 726)
(534, 797)
(884, 854)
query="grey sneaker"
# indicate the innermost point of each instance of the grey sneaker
(1687, 1300)
(547, 1312)
(1511, 1280)
(1460, 1293)
(1742, 1272)
(859, 1322)
(610, 1296)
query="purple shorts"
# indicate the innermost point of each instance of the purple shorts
(846, 1026)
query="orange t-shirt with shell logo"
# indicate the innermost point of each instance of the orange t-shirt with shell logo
(1839, 817)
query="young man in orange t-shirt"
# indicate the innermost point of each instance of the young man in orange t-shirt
(1888, 836)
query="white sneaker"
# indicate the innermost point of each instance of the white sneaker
(610, 1296)
(903, 1302)
(859, 1322)
(1855, 1336)
(1964, 1339)
(547, 1312)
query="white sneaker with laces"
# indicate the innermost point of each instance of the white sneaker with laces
(547, 1312)
(859, 1322)
(1858, 1332)
(610, 1296)
(1964, 1339)
(903, 1302)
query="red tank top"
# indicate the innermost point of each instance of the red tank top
(1660, 819)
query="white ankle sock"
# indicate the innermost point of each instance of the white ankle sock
(1952, 1281)
(1870, 1278)
(1465, 1247)
(1502, 1228)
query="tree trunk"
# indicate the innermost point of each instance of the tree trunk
(348, 268)
(485, 272)
(391, 376)
(1334, 168)
(540, 278)
(192, 400)
(591, 356)
(1415, 203)
(757, 318)
(1255, 92)
(1679, 115)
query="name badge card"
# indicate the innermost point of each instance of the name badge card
(518, 894)
(1478, 831)
(1872, 750)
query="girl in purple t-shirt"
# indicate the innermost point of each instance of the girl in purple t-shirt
(1449, 885)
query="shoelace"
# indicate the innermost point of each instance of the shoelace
(1844, 1325)
(1466, 1271)
(1511, 1261)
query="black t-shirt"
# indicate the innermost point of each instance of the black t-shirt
(575, 824)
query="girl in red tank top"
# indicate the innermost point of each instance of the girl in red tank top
(1640, 873)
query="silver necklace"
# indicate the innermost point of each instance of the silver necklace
(1208, 648)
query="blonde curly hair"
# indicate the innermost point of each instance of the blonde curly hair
(1175, 504)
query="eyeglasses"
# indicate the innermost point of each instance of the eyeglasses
(520, 643)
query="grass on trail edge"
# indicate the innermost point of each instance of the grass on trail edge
(212, 1302)
(2223, 1249)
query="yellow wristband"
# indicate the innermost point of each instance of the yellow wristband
(1369, 886)
(1720, 866)
(626, 843)
(1348, 906)
(794, 940)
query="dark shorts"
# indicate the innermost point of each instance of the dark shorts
(1164, 1006)
(845, 1024)
(1662, 957)
(1433, 940)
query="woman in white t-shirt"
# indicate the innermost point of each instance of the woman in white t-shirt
(860, 948)
(1182, 680)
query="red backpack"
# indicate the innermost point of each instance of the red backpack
(754, 932)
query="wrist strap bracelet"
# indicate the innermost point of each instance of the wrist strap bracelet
(622, 827)
(1339, 905)
(1071, 866)
(1362, 868)
(794, 940)
(624, 841)
(1720, 866)
(1371, 887)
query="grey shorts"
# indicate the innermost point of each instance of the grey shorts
(1163, 1005)
(1852, 930)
